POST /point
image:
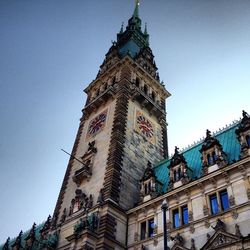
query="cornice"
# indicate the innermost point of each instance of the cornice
(192, 184)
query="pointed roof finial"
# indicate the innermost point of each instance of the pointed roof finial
(136, 11)
(121, 31)
(145, 30)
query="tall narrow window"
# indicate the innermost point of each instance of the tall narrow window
(179, 173)
(214, 157)
(143, 230)
(151, 228)
(213, 204)
(176, 218)
(137, 82)
(146, 189)
(208, 159)
(145, 89)
(153, 96)
(224, 200)
(149, 187)
(175, 178)
(248, 140)
(184, 215)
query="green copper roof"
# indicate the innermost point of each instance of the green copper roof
(230, 145)
(25, 234)
(132, 40)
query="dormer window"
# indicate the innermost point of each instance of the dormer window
(212, 154)
(148, 184)
(178, 170)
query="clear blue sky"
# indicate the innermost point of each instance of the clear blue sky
(51, 50)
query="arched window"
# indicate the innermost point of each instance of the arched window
(146, 189)
(137, 82)
(248, 140)
(145, 88)
(209, 159)
(175, 177)
(153, 96)
(179, 173)
(214, 156)
(149, 187)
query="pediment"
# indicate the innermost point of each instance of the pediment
(220, 239)
(178, 247)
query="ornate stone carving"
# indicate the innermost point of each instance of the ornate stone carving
(81, 201)
(248, 193)
(100, 198)
(50, 241)
(30, 239)
(205, 210)
(155, 242)
(192, 244)
(213, 182)
(6, 245)
(54, 221)
(136, 236)
(208, 236)
(155, 229)
(235, 214)
(242, 170)
(220, 225)
(191, 228)
(86, 170)
(200, 185)
(226, 177)
(90, 222)
(207, 224)
(18, 242)
(169, 224)
(231, 201)
(45, 227)
(178, 239)
(64, 215)
(190, 216)
(237, 230)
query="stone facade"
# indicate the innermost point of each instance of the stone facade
(119, 172)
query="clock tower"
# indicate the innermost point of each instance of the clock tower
(123, 127)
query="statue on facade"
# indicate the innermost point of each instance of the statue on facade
(80, 226)
(178, 239)
(100, 198)
(6, 245)
(64, 215)
(18, 242)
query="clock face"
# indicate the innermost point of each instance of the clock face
(145, 126)
(97, 124)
